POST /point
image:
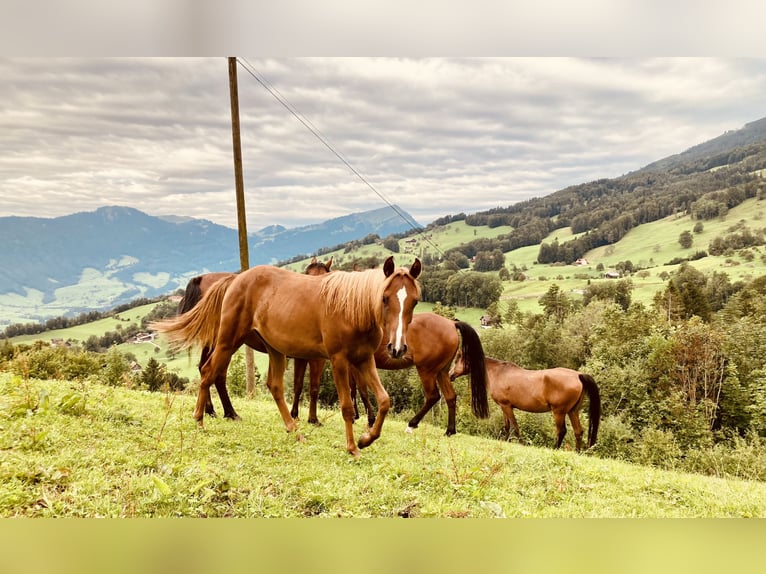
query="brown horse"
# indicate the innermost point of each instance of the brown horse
(433, 342)
(559, 390)
(197, 287)
(340, 316)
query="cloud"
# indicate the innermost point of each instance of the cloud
(434, 135)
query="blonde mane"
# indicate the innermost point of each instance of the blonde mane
(356, 295)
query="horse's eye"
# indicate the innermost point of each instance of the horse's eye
(385, 299)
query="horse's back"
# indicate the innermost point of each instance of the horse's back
(281, 306)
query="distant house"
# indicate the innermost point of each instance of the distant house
(581, 262)
(144, 337)
(611, 275)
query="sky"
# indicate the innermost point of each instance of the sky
(435, 136)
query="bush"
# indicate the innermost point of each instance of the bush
(616, 439)
(658, 448)
(744, 458)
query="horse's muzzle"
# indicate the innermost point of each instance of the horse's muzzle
(396, 353)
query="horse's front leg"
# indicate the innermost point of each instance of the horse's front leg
(368, 378)
(275, 383)
(340, 373)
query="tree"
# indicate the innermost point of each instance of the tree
(691, 285)
(153, 375)
(489, 260)
(473, 289)
(617, 291)
(686, 239)
(391, 243)
(555, 303)
(116, 370)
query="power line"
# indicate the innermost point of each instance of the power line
(250, 69)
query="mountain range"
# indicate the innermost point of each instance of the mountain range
(116, 254)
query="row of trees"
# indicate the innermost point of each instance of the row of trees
(19, 329)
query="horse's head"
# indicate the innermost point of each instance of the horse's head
(317, 267)
(460, 367)
(400, 295)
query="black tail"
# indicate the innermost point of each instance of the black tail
(192, 295)
(594, 409)
(473, 355)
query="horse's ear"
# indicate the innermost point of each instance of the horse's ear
(388, 266)
(416, 268)
(329, 263)
(313, 261)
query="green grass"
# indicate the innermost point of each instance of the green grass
(128, 453)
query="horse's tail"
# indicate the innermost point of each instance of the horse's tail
(594, 408)
(192, 295)
(200, 324)
(473, 355)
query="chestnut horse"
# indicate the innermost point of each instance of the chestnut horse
(433, 342)
(341, 316)
(559, 390)
(196, 288)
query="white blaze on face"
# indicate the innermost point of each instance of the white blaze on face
(402, 296)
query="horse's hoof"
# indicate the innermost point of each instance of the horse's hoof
(409, 430)
(315, 422)
(450, 432)
(365, 440)
(299, 437)
(355, 453)
(234, 417)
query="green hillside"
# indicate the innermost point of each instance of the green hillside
(150, 460)
(649, 246)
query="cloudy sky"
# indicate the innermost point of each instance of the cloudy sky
(435, 136)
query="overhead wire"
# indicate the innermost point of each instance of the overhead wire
(275, 93)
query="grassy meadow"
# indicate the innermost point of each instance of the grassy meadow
(117, 452)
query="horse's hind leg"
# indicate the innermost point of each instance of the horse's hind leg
(204, 356)
(299, 366)
(450, 397)
(432, 396)
(574, 418)
(316, 367)
(214, 367)
(223, 394)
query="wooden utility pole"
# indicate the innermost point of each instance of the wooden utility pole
(244, 257)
